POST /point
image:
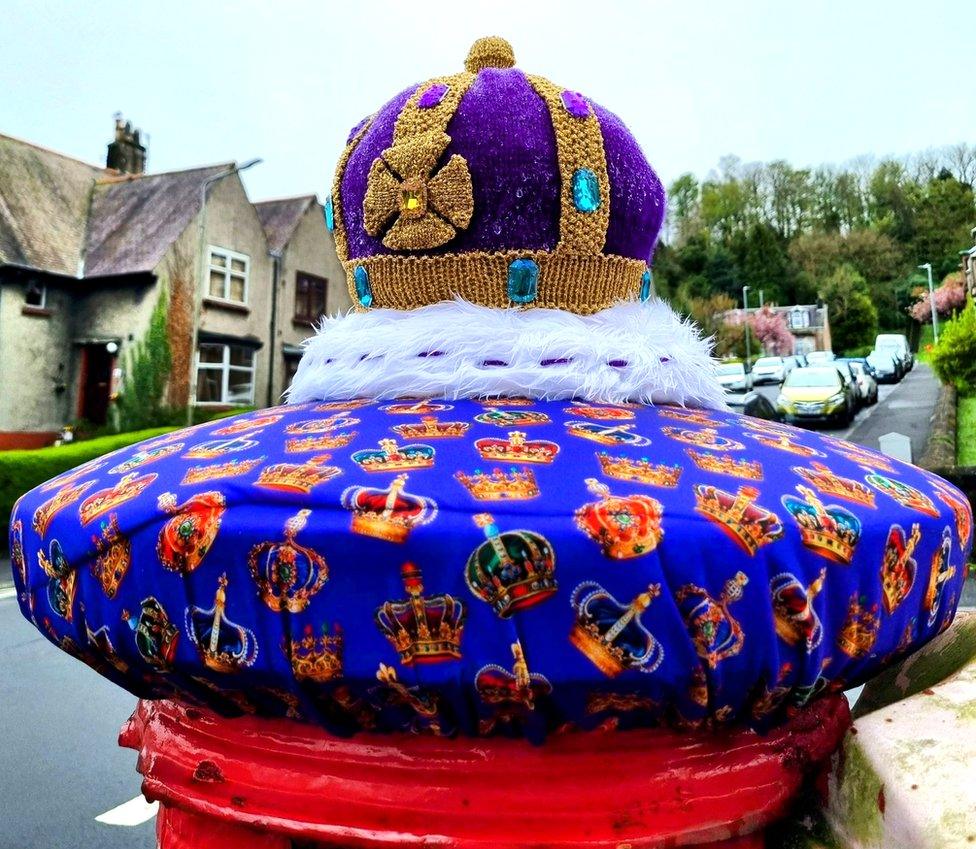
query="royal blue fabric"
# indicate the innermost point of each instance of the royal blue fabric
(127, 580)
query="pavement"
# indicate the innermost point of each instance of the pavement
(63, 780)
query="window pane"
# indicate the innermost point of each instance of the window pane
(240, 387)
(241, 356)
(209, 382)
(217, 284)
(236, 289)
(210, 353)
(317, 299)
(218, 260)
(238, 265)
(35, 295)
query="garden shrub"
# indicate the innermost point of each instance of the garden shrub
(954, 358)
(21, 471)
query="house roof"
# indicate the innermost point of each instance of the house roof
(280, 218)
(134, 219)
(44, 198)
(64, 216)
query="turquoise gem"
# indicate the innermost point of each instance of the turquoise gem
(363, 290)
(523, 281)
(329, 214)
(586, 190)
(647, 285)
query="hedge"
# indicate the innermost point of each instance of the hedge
(21, 471)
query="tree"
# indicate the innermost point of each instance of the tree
(772, 331)
(853, 317)
(949, 298)
(945, 215)
(954, 358)
(140, 402)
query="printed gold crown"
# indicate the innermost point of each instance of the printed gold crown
(860, 629)
(127, 488)
(61, 499)
(318, 442)
(517, 449)
(516, 485)
(317, 659)
(389, 514)
(612, 435)
(298, 477)
(230, 469)
(751, 525)
(113, 554)
(428, 427)
(829, 483)
(390, 457)
(641, 471)
(832, 531)
(725, 464)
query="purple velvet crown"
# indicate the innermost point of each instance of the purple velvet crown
(539, 159)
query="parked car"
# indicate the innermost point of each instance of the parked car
(756, 405)
(897, 344)
(886, 367)
(734, 377)
(771, 370)
(865, 381)
(817, 394)
(818, 358)
(851, 379)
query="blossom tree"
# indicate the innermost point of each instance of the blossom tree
(949, 298)
(771, 329)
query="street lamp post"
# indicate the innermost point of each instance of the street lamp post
(745, 305)
(935, 319)
(191, 400)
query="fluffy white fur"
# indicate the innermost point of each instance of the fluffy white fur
(384, 354)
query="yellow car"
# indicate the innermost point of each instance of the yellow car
(817, 394)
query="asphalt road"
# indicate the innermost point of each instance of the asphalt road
(60, 767)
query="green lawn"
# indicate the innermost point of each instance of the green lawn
(966, 431)
(927, 337)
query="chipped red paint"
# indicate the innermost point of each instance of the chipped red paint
(252, 783)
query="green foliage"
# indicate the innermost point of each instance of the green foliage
(786, 230)
(21, 471)
(140, 402)
(954, 358)
(966, 431)
(853, 316)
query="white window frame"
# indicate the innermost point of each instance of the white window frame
(43, 287)
(226, 368)
(228, 255)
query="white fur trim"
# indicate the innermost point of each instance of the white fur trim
(445, 351)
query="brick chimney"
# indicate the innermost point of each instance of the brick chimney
(126, 154)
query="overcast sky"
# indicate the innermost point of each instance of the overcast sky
(809, 82)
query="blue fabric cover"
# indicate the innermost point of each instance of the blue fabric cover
(542, 565)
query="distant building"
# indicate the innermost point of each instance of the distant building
(808, 323)
(87, 252)
(969, 265)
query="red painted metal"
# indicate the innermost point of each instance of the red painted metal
(253, 783)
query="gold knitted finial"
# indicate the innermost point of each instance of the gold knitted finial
(489, 52)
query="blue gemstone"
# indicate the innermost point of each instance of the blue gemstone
(647, 285)
(329, 214)
(523, 281)
(586, 190)
(363, 290)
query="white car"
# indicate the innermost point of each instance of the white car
(734, 377)
(771, 370)
(819, 358)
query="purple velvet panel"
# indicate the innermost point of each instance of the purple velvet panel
(504, 131)
(377, 139)
(637, 199)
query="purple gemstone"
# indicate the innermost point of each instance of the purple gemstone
(432, 96)
(575, 104)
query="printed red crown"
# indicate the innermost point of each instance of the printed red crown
(747, 523)
(517, 449)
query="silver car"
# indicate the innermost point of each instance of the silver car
(734, 377)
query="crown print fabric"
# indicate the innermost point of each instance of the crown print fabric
(515, 567)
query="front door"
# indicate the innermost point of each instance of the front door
(96, 383)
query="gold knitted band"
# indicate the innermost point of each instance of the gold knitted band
(579, 145)
(413, 120)
(577, 283)
(338, 219)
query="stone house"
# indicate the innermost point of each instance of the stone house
(87, 253)
(809, 325)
